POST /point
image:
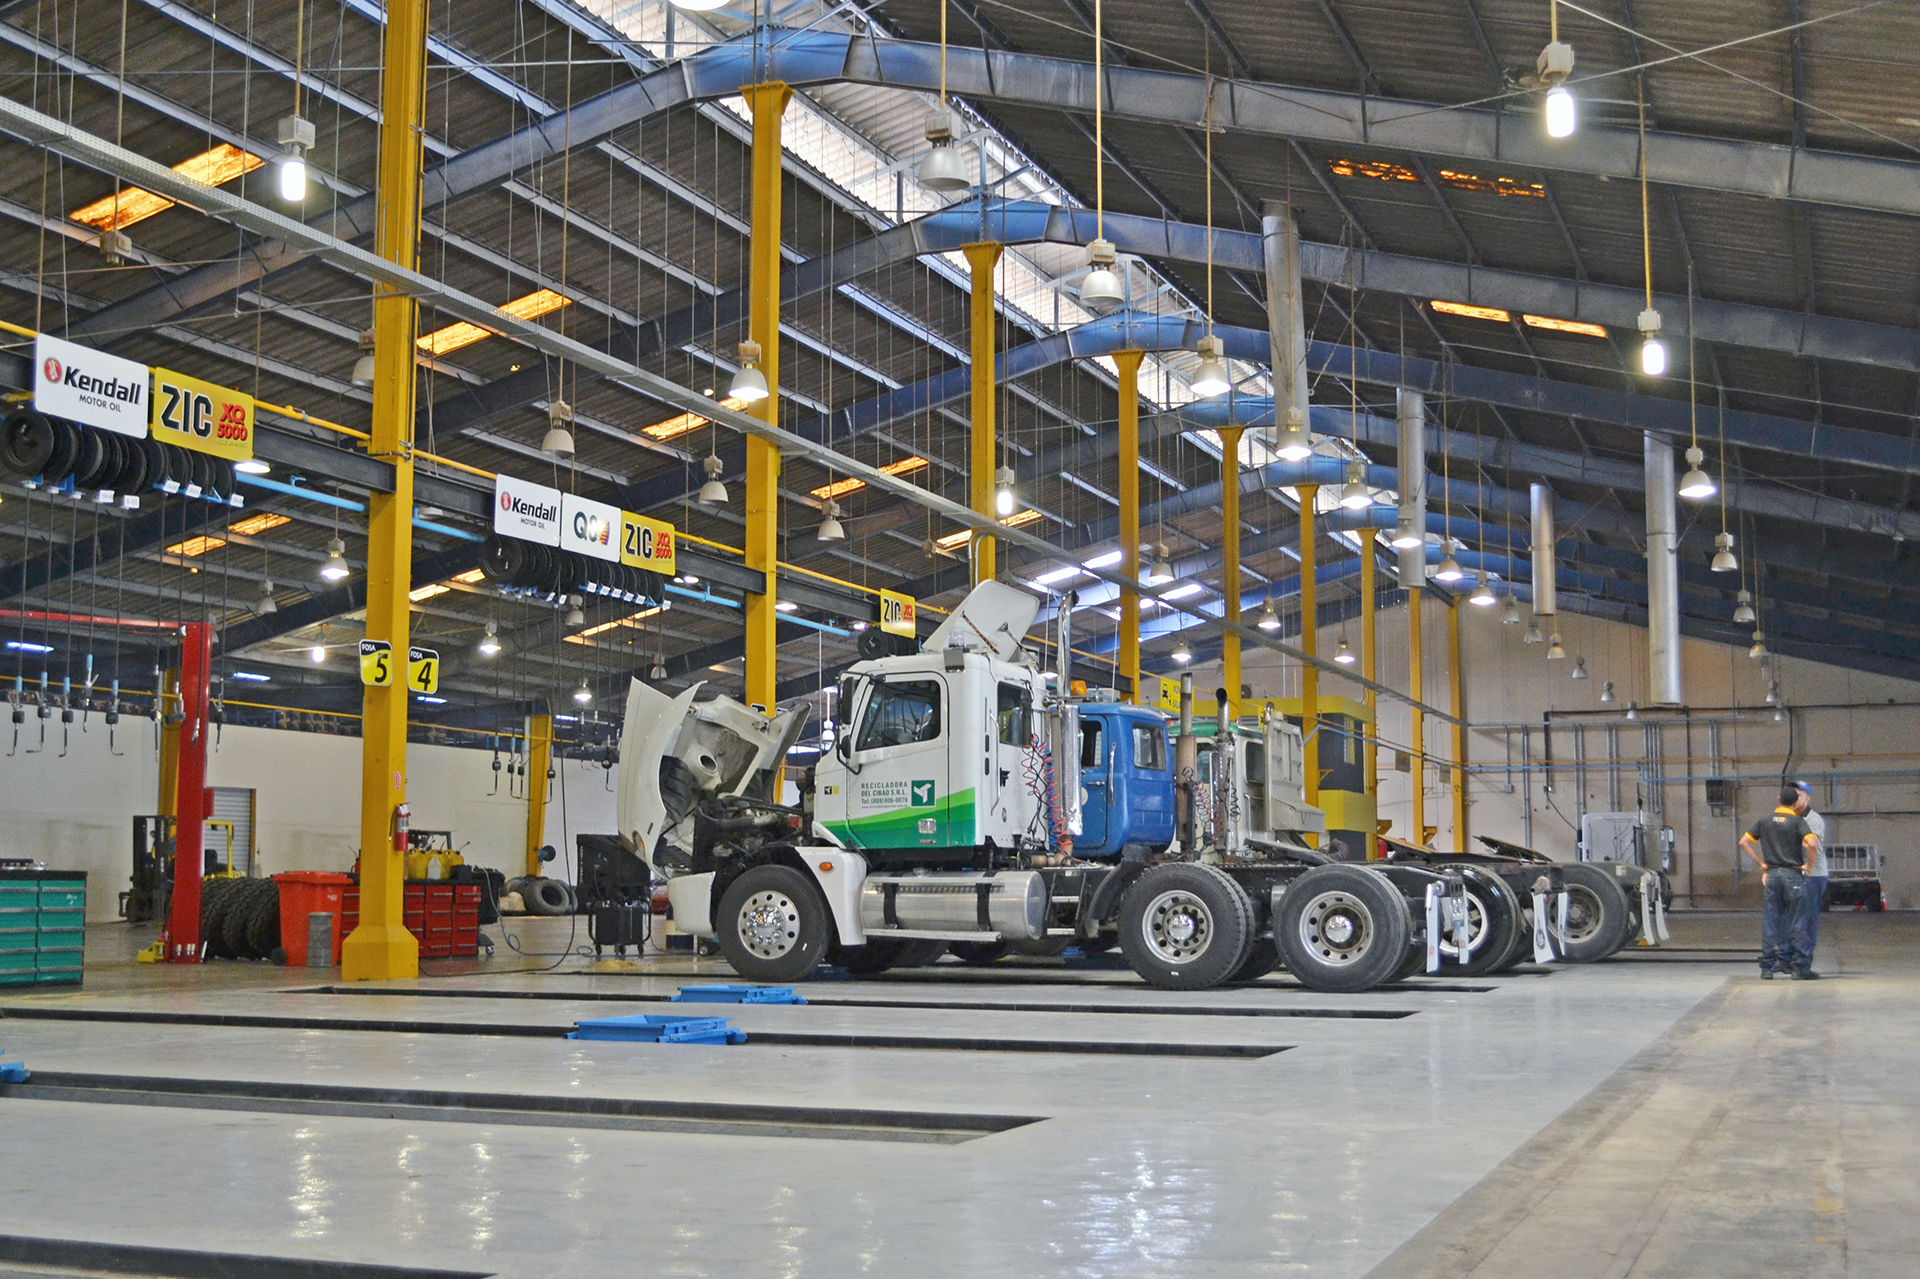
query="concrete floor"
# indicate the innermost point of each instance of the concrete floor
(1660, 1114)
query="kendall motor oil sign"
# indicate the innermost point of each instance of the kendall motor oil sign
(530, 512)
(88, 386)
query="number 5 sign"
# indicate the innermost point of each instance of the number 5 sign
(202, 416)
(376, 663)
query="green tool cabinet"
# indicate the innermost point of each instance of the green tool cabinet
(43, 927)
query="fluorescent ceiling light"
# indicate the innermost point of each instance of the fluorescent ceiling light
(1104, 561)
(1181, 592)
(252, 676)
(1059, 575)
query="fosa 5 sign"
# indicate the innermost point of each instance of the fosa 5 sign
(84, 385)
(590, 528)
(530, 512)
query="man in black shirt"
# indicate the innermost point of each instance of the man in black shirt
(1783, 846)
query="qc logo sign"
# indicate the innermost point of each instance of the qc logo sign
(587, 527)
(922, 795)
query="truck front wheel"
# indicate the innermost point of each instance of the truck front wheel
(1342, 928)
(772, 925)
(1184, 926)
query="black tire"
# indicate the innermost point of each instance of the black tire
(217, 900)
(95, 456)
(1493, 918)
(133, 476)
(1185, 926)
(29, 444)
(545, 896)
(1042, 947)
(1342, 928)
(1414, 965)
(980, 953)
(1599, 916)
(773, 925)
(156, 461)
(66, 451)
(1262, 958)
(263, 929)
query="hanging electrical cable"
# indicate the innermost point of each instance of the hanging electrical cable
(1100, 290)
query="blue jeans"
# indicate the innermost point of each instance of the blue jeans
(1816, 889)
(1784, 947)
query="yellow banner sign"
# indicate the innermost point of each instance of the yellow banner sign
(202, 416)
(898, 614)
(647, 544)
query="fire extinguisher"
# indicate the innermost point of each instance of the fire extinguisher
(402, 816)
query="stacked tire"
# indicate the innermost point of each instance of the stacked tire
(52, 451)
(549, 573)
(543, 896)
(240, 918)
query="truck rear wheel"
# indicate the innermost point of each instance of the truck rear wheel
(1599, 916)
(980, 953)
(1342, 928)
(1493, 918)
(1185, 926)
(772, 925)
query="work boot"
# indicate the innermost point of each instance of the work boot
(1766, 974)
(1806, 974)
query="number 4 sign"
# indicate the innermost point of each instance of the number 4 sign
(423, 670)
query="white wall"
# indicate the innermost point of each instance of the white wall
(77, 813)
(1510, 682)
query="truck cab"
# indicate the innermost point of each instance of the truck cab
(1126, 778)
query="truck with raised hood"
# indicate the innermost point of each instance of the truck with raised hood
(964, 800)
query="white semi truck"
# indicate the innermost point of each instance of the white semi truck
(964, 801)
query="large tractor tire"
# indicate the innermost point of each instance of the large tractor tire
(1185, 926)
(980, 953)
(1342, 929)
(773, 925)
(545, 896)
(1599, 917)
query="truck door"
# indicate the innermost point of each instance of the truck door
(899, 785)
(1149, 815)
(1096, 776)
(1012, 730)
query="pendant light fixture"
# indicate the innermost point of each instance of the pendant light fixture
(363, 367)
(749, 384)
(1356, 496)
(1743, 608)
(659, 671)
(1633, 710)
(1533, 635)
(830, 527)
(583, 694)
(317, 654)
(558, 441)
(1344, 653)
(1181, 653)
(1555, 653)
(1580, 669)
(296, 139)
(713, 492)
(576, 616)
(1773, 692)
(1100, 290)
(1406, 536)
(1294, 444)
(1696, 485)
(490, 642)
(1724, 560)
(335, 568)
(1003, 491)
(1510, 616)
(1161, 572)
(1779, 714)
(940, 168)
(1653, 352)
(1759, 650)
(1559, 113)
(266, 606)
(1211, 378)
(1269, 620)
(1483, 595)
(1606, 691)
(1449, 570)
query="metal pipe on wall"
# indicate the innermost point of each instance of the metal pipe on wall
(1663, 577)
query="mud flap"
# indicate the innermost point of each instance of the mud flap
(1461, 934)
(1653, 911)
(1433, 927)
(1542, 938)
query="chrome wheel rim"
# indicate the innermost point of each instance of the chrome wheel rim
(1337, 927)
(769, 924)
(1583, 913)
(1177, 927)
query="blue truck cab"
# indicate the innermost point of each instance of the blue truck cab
(1126, 772)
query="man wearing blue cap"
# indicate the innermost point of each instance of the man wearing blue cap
(1782, 845)
(1816, 885)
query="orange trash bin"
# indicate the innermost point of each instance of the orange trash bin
(302, 892)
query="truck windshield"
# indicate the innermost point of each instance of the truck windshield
(900, 713)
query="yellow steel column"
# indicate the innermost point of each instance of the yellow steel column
(381, 948)
(1309, 643)
(539, 760)
(1128, 362)
(1369, 670)
(767, 102)
(1459, 727)
(983, 258)
(1230, 564)
(1416, 690)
